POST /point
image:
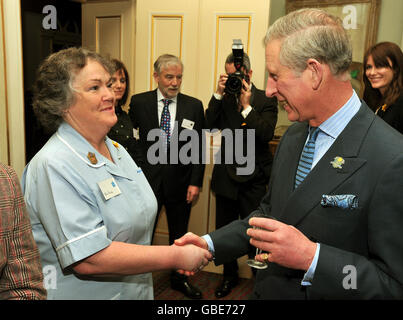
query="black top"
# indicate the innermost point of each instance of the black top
(122, 131)
(393, 114)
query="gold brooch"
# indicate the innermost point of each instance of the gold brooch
(93, 159)
(383, 108)
(115, 144)
(337, 163)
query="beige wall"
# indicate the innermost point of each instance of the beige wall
(391, 22)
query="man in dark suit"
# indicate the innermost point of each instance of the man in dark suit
(238, 194)
(175, 177)
(337, 233)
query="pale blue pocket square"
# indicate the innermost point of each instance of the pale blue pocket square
(343, 201)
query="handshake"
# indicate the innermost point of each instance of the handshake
(194, 254)
(285, 245)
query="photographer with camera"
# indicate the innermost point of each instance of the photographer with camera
(239, 105)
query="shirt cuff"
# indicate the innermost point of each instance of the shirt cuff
(246, 111)
(209, 244)
(308, 276)
(217, 96)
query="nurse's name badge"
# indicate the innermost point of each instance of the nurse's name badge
(109, 188)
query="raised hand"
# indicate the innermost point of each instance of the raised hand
(221, 84)
(284, 244)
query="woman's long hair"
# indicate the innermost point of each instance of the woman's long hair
(380, 53)
(117, 66)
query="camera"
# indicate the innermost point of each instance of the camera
(233, 85)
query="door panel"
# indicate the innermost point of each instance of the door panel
(166, 27)
(108, 28)
(107, 42)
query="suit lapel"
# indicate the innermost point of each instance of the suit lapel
(180, 109)
(152, 110)
(324, 178)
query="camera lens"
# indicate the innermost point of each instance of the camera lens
(233, 84)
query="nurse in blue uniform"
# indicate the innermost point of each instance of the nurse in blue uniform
(91, 207)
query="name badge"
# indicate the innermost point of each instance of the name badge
(136, 134)
(188, 124)
(109, 188)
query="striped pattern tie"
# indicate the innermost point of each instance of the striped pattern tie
(165, 123)
(305, 162)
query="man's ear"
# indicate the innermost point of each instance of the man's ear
(316, 71)
(155, 75)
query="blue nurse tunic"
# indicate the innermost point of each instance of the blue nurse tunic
(79, 202)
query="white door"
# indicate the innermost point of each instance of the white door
(108, 28)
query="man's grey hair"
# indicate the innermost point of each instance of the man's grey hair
(166, 60)
(312, 33)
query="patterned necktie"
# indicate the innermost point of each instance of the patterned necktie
(165, 123)
(305, 162)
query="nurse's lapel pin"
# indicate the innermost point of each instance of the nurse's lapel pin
(337, 162)
(93, 159)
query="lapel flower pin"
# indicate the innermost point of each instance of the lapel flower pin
(337, 162)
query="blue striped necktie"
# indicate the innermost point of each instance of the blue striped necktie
(165, 123)
(305, 162)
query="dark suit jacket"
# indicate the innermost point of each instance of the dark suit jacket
(368, 238)
(223, 114)
(174, 178)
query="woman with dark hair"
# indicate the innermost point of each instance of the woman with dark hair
(122, 131)
(92, 209)
(383, 79)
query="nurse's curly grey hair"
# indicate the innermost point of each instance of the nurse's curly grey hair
(53, 92)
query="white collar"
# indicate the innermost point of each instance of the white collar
(160, 96)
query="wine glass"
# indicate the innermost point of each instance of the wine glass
(253, 262)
